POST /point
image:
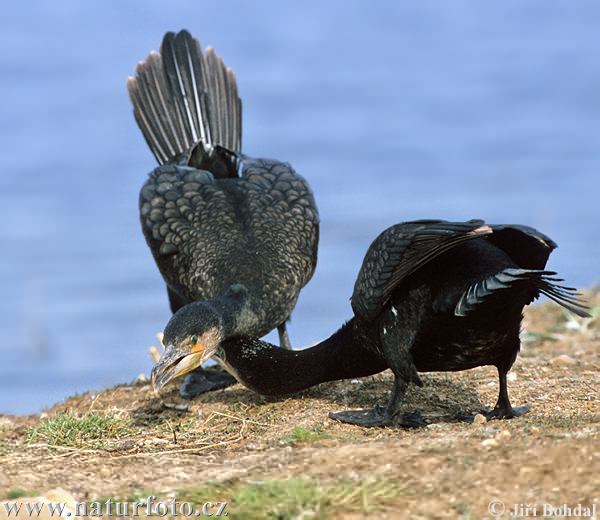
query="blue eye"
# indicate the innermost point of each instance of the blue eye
(194, 339)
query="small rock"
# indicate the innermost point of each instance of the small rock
(489, 443)
(105, 472)
(563, 359)
(142, 378)
(511, 377)
(572, 325)
(180, 407)
(479, 419)
(436, 426)
(534, 429)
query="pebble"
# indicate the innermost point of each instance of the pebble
(180, 407)
(489, 443)
(479, 419)
(142, 378)
(563, 359)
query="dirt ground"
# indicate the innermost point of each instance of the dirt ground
(449, 469)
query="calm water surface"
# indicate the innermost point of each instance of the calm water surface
(392, 111)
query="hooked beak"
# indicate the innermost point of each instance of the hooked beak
(174, 363)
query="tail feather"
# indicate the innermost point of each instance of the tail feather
(183, 98)
(150, 109)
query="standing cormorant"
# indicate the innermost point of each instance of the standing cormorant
(431, 295)
(235, 238)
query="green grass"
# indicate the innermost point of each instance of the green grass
(15, 493)
(292, 499)
(296, 498)
(300, 435)
(5, 448)
(68, 429)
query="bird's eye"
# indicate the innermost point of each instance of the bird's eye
(194, 339)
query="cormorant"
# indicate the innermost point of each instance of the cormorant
(431, 295)
(235, 238)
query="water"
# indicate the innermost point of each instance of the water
(392, 111)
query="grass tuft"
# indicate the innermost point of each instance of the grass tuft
(296, 498)
(304, 435)
(71, 430)
(15, 493)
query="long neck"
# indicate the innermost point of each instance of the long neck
(271, 370)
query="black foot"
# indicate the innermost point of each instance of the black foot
(203, 380)
(378, 416)
(506, 412)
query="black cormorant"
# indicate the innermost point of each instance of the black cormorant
(235, 238)
(431, 295)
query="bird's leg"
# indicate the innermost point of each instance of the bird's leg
(204, 380)
(503, 408)
(284, 338)
(395, 416)
(395, 343)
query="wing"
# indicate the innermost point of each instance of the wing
(400, 251)
(530, 282)
(526, 246)
(284, 213)
(529, 249)
(179, 207)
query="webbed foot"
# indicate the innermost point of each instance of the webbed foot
(506, 412)
(204, 380)
(378, 416)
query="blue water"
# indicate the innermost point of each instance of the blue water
(392, 110)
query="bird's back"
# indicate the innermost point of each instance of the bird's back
(259, 230)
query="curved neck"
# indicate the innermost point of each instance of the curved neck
(271, 370)
(235, 315)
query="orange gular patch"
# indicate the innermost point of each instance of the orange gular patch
(198, 348)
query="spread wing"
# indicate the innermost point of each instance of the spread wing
(529, 249)
(400, 251)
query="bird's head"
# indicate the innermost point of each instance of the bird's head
(192, 335)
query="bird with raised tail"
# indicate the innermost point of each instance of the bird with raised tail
(431, 295)
(235, 238)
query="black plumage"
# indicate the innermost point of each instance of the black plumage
(235, 238)
(430, 296)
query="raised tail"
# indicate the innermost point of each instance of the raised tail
(543, 282)
(185, 100)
